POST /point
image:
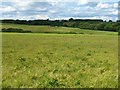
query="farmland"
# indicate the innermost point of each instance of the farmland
(87, 59)
(56, 29)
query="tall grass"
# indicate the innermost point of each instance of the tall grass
(59, 60)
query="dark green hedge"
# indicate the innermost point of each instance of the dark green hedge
(14, 30)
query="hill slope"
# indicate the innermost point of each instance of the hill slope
(59, 30)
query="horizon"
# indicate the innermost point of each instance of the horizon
(59, 19)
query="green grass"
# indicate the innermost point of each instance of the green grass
(59, 60)
(55, 29)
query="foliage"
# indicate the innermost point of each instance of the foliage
(91, 24)
(14, 30)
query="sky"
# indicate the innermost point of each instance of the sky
(59, 9)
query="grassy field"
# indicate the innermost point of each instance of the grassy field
(37, 60)
(55, 29)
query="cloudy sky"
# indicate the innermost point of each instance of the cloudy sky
(59, 9)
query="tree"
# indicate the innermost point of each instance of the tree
(100, 26)
(110, 21)
(71, 19)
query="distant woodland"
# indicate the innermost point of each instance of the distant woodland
(91, 24)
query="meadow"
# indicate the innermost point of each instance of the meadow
(56, 29)
(88, 59)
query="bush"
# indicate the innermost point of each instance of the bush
(72, 33)
(14, 30)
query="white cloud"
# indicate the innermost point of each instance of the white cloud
(41, 17)
(52, 11)
(106, 5)
(115, 5)
(107, 18)
(114, 12)
(6, 17)
(28, 9)
(103, 5)
(32, 17)
(23, 8)
(40, 9)
(21, 5)
(101, 17)
(59, 18)
(7, 9)
(83, 1)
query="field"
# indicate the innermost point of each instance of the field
(38, 60)
(56, 29)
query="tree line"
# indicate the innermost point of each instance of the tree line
(91, 24)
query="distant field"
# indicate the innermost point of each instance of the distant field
(39, 60)
(55, 29)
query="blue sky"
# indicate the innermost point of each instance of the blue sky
(58, 9)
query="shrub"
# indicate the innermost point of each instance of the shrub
(14, 30)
